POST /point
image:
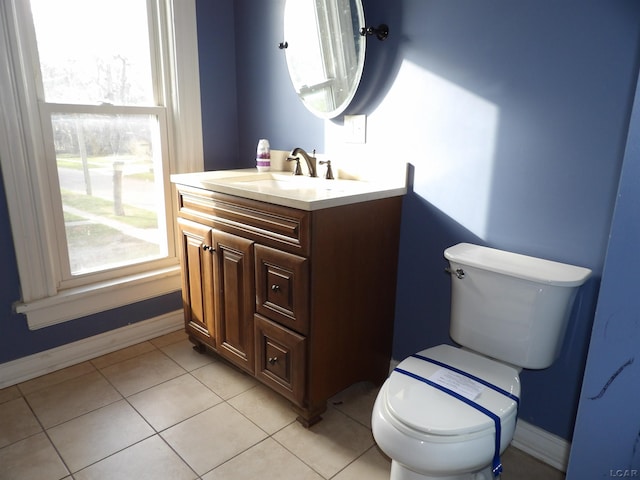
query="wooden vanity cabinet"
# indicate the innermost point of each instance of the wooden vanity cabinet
(302, 300)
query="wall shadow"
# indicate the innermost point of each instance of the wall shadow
(423, 292)
(383, 58)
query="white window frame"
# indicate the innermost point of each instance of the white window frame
(44, 301)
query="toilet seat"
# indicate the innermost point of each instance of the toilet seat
(427, 409)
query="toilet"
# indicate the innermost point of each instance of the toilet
(449, 412)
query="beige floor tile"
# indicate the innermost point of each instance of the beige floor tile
(265, 408)
(16, 422)
(96, 435)
(173, 401)
(9, 393)
(183, 354)
(170, 338)
(142, 372)
(329, 445)
(32, 458)
(221, 440)
(151, 459)
(266, 461)
(212, 437)
(372, 465)
(122, 354)
(72, 398)
(357, 402)
(223, 379)
(56, 377)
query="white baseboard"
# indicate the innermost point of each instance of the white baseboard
(32, 366)
(534, 441)
(540, 444)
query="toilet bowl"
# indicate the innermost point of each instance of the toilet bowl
(429, 436)
(447, 413)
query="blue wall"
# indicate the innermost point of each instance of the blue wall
(606, 442)
(513, 116)
(216, 42)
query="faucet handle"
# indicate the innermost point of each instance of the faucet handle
(298, 170)
(329, 174)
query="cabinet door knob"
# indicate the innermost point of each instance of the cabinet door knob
(207, 248)
(275, 288)
(272, 360)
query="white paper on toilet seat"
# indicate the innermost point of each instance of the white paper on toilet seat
(458, 383)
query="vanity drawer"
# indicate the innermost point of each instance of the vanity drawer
(195, 204)
(282, 287)
(274, 225)
(280, 358)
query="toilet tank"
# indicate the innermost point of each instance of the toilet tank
(511, 307)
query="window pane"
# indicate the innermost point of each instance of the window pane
(110, 173)
(105, 60)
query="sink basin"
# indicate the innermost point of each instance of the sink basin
(284, 188)
(286, 181)
(273, 183)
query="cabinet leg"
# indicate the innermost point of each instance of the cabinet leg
(197, 345)
(310, 416)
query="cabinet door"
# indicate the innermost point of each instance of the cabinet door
(235, 293)
(197, 280)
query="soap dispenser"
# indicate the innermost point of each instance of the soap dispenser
(263, 155)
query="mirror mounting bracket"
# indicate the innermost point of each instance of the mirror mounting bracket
(381, 31)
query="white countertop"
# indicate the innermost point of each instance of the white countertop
(301, 192)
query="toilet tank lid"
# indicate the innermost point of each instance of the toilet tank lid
(517, 265)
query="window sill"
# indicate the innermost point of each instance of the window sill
(86, 300)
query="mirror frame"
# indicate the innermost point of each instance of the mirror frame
(327, 39)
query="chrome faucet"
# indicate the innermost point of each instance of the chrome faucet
(310, 159)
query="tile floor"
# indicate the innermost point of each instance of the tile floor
(159, 410)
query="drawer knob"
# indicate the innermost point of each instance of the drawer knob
(275, 288)
(272, 360)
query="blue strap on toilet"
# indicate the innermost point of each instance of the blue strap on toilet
(496, 464)
(468, 375)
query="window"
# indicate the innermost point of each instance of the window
(100, 104)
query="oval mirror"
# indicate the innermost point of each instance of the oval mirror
(325, 52)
